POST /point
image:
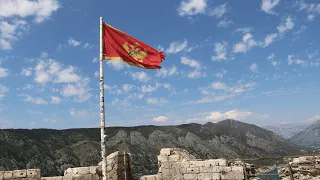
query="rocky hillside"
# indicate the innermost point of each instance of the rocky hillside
(309, 137)
(287, 130)
(55, 150)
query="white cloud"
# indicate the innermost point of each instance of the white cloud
(224, 23)
(35, 100)
(26, 71)
(80, 113)
(55, 100)
(238, 88)
(195, 74)
(116, 64)
(273, 62)
(160, 118)
(287, 25)
(3, 91)
(190, 62)
(73, 42)
(50, 121)
(269, 39)
(314, 118)
(192, 7)
(87, 46)
(156, 101)
(96, 74)
(244, 30)
(268, 5)
(233, 114)
(219, 11)
(148, 88)
(127, 87)
(245, 45)
(140, 76)
(95, 60)
(67, 75)
(220, 49)
(41, 9)
(177, 46)
(3, 72)
(160, 48)
(311, 9)
(293, 60)
(33, 112)
(254, 68)
(9, 32)
(79, 90)
(27, 86)
(165, 72)
(221, 73)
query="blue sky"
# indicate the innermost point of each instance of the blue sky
(257, 62)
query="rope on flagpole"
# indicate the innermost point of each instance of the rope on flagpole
(102, 113)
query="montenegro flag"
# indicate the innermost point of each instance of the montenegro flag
(118, 45)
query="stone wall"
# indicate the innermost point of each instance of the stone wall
(178, 164)
(118, 168)
(306, 167)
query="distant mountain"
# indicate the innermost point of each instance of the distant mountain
(287, 130)
(309, 137)
(53, 151)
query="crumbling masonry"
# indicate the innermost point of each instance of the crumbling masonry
(174, 164)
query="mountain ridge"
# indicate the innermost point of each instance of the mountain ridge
(55, 150)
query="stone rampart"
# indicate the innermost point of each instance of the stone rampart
(118, 168)
(178, 164)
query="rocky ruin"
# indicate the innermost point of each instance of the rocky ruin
(177, 164)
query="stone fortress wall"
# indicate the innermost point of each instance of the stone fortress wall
(175, 164)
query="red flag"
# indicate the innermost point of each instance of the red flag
(118, 45)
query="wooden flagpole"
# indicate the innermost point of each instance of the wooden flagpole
(102, 114)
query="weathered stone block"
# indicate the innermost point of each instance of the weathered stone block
(189, 170)
(232, 175)
(33, 173)
(20, 174)
(205, 176)
(215, 162)
(196, 163)
(237, 169)
(83, 170)
(216, 176)
(47, 178)
(162, 158)
(178, 177)
(190, 176)
(182, 164)
(224, 169)
(57, 178)
(1, 175)
(212, 169)
(173, 158)
(167, 165)
(165, 152)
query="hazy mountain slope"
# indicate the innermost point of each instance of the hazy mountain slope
(287, 130)
(55, 150)
(309, 137)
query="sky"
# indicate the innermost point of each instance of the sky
(256, 62)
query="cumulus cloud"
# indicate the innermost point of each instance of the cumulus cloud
(219, 11)
(224, 23)
(192, 7)
(79, 90)
(221, 74)
(3, 72)
(233, 114)
(269, 39)
(55, 100)
(40, 9)
(292, 60)
(271, 58)
(268, 5)
(26, 71)
(35, 100)
(287, 25)
(160, 118)
(176, 47)
(166, 72)
(117, 65)
(158, 101)
(247, 43)
(3, 91)
(190, 62)
(140, 76)
(220, 49)
(80, 113)
(254, 68)
(73, 42)
(11, 29)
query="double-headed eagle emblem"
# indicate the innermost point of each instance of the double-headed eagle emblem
(135, 51)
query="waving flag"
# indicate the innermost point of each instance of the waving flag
(118, 45)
